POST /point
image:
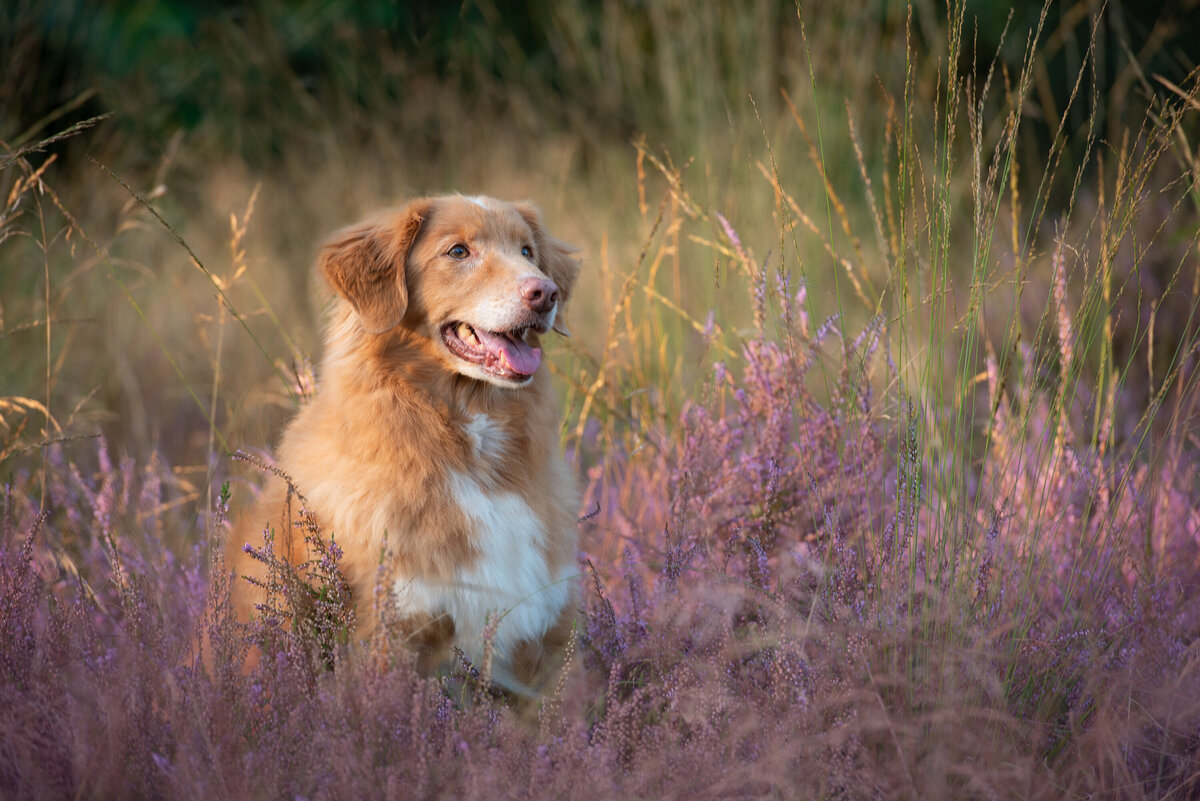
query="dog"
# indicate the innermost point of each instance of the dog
(430, 454)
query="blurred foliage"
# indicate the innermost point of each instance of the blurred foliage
(333, 109)
(249, 79)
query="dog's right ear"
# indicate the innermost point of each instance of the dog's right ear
(365, 264)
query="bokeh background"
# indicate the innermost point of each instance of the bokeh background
(312, 114)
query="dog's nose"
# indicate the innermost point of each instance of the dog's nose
(539, 294)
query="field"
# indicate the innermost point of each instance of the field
(881, 392)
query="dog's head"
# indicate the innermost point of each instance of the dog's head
(479, 278)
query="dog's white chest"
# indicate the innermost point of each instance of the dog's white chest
(508, 579)
(487, 439)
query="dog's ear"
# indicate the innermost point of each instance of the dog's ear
(555, 259)
(365, 264)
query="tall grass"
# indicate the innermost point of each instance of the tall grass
(887, 425)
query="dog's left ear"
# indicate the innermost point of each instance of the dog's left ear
(365, 264)
(555, 259)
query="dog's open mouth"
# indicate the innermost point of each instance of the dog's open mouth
(504, 354)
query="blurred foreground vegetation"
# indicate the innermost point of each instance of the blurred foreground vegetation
(308, 115)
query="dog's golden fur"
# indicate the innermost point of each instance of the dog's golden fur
(445, 468)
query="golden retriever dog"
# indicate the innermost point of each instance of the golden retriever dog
(430, 454)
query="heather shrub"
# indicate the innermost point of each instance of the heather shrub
(746, 649)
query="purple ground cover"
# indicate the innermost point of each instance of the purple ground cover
(778, 602)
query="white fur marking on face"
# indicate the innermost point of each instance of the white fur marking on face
(499, 312)
(486, 437)
(509, 578)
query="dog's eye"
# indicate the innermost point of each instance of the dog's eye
(527, 251)
(459, 252)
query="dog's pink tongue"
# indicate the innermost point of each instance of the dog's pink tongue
(513, 353)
